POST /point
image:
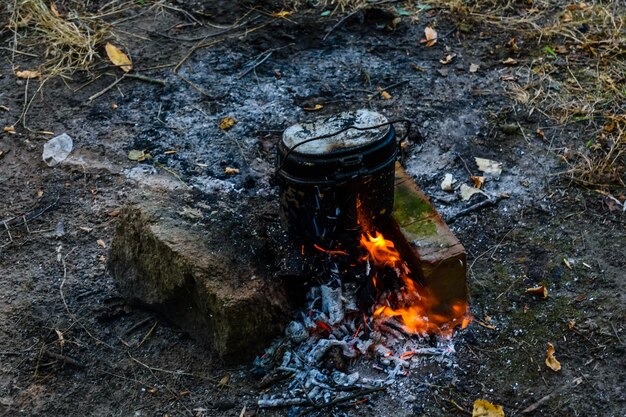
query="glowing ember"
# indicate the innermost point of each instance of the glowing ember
(413, 305)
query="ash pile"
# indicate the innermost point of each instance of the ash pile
(335, 353)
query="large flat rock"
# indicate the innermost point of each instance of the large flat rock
(203, 268)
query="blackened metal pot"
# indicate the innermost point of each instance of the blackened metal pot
(335, 173)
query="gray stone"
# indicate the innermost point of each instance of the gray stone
(206, 275)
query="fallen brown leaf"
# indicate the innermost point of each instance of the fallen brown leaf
(551, 361)
(510, 61)
(478, 181)
(385, 95)
(9, 129)
(101, 243)
(28, 74)
(430, 37)
(231, 171)
(540, 291)
(448, 58)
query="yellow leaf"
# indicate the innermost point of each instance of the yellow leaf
(509, 61)
(224, 381)
(314, 108)
(28, 74)
(118, 58)
(540, 291)
(551, 361)
(227, 122)
(567, 263)
(430, 36)
(281, 14)
(9, 129)
(385, 95)
(231, 171)
(483, 408)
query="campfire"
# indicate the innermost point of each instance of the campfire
(367, 303)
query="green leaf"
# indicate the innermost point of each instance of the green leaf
(325, 13)
(136, 155)
(549, 51)
(589, 143)
(403, 12)
(423, 7)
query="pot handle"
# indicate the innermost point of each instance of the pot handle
(407, 132)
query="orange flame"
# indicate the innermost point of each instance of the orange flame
(415, 305)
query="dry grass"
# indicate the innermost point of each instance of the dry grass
(67, 42)
(342, 5)
(573, 71)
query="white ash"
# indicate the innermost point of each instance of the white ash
(329, 329)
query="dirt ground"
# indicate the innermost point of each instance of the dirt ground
(57, 300)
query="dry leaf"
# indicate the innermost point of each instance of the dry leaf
(227, 122)
(567, 17)
(136, 155)
(28, 74)
(474, 67)
(54, 10)
(281, 14)
(540, 291)
(571, 323)
(467, 192)
(114, 106)
(567, 263)
(551, 361)
(152, 390)
(509, 61)
(231, 171)
(224, 381)
(576, 6)
(170, 152)
(85, 229)
(540, 133)
(488, 166)
(385, 95)
(9, 129)
(483, 408)
(447, 59)
(314, 108)
(5, 108)
(114, 213)
(101, 243)
(446, 184)
(118, 58)
(478, 181)
(61, 338)
(430, 36)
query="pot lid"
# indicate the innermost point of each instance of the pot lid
(351, 138)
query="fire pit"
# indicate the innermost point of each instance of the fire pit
(372, 297)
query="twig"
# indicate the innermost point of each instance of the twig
(137, 325)
(255, 65)
(171, 372)
(119, 80)
(113, 84)
(63, 358)
(148, 334)
(146, 79)
(485, 203)
(336, 25)
(344, 399)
